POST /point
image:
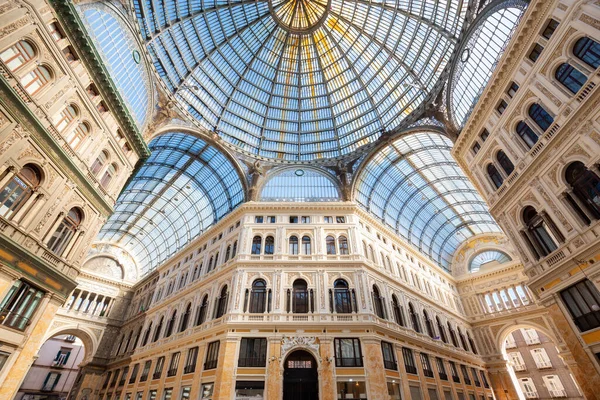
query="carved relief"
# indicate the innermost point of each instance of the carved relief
(48, 214)
(288, 343)
(554, 209)
(576, 150)
(30, 152)
(549, 95)
(591, 21)
(14, 26)
(9, 141)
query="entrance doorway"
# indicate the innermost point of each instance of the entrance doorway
(300, 378)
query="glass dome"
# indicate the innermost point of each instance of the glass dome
(488, 257)
(300, 80)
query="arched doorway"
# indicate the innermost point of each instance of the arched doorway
(300, 377)
(535, 366)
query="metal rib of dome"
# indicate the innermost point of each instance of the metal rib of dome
(299, 80)
(414, 186)
(182, 189)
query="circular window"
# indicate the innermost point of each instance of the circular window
(299, 172)
(464, 57)
(137, 57)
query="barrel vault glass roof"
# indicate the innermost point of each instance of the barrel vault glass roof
(182, 189)
(300, 184)
(488, 256)
(116, 46)
(416, 188)
(300, 79)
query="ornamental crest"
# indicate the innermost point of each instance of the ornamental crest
(288, 343)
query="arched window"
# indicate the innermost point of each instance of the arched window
(428, 324)
(365, 250)
(109, 174)
(234, 249)
(210, 263)
(505, 162)
(570, 77)
(19, 189)
(452, 335)
(185, 318)
(35, 80)
(343, 245)
(269, 245)
(77, 135)
(495, 176)
(158, 329)
(171, 324)
(377, 302)
(414, 318)
(65, 231)
(100, 162)
(202, 309)
(538, 232)
(330, 245)
(293, 245)
(371, 254)
(65, 117)
(588, 51)
(222, 303)
(306, 245)
(398, 317)
(147, 334)
(441, 330)
(227, 253)
(258, 297)
(540, 116)
(463, 342)
(585, 185)
(17, 55)
(256, 245)
(342, 297)
(471, 343)
(527, 134)
(300, 296)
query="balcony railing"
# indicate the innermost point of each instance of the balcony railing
(532, 340)
(519, 367)
(13, 320)
(531, 395)
(558, 393)
(543, 364)
(189, 369)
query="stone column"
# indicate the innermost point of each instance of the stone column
(225, 374)
(501, 382)
(274, 384)
(34, 210)
(57, 222)
(11, 171)
(28, 203)
(374, 369)
(327, 384)
(580, 364)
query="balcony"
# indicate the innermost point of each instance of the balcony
(532, 340)
(519, 367)
(543, 364)
(531, 395)
(558, 393)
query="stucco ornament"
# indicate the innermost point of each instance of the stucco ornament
(306, 342)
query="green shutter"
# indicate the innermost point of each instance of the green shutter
(67, 358)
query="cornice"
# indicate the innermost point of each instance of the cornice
(73, 26)
(487, 274)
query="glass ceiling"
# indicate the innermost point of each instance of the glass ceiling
(117, 47)
(487, 256)
(416, 188)
(182, 189)
(300, 79)
(300, 184)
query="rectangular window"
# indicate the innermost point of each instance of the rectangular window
(212, 355)
(113, 383)
(512, 90)
(306, 220)
(583, 302)
(139, 395)
(258, 220)
(389, 359)
(106, 379)
(454, 372)
(432, 393)
(550, 28)
(134, 373)
(159, 367)
(185, 393)
(348, 353)
(340, 220)
(19, 304)
(328, 220)
(249, 390)
(61, 357)
(51, 381)
(190, 361)
(415, 393)
(271, 219)
(475, 377)
(501, 107)
(168, 394)
(206, 393)
(293, 220)
(484, 135)
(484, 379)
(476, 147)
(535, 52)
(427, 370)
(541, 358)
(152, 394)
(409, 361)
(174, 364)
(123, 376)
(253, 352)
(441, 369)
(3, 358)
(146, 371)
(465, 374)
(351, 390)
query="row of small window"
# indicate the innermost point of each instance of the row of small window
(259, 219)
(294, 245)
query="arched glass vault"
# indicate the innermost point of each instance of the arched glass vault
(416, 188)
(184, 187)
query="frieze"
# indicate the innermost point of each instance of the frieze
(555, 100)
(562, 7)
(305, 342)
(589, 20)
(576, 150)
(30, 152)
(48, 214)
(9, 141)
(14, 26)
